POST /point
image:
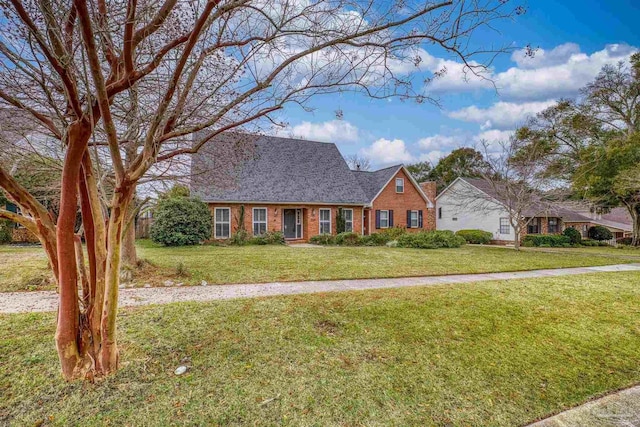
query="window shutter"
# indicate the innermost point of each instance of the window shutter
(420, 219)
(408, 219)
(390, 218)
(377, 219)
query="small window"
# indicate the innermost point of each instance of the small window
(505, 227)
(414, 219)
(399, 185)
(222, 223)
(553, 225)
(347, 214)
(384, 219)
(439, 213)
(259, 221)
(325, 221)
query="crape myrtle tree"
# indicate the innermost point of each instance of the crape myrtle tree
(128, 86)
(512, 184)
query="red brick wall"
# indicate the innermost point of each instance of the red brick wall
(310, 217)
(400, 203)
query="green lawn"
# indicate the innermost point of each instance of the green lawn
(491, 353)
(25, 268)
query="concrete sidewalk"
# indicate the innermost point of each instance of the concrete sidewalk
(21, 302)
(621, 409)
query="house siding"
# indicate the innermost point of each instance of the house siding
(400, 203)
(481, 215)
(310, 217)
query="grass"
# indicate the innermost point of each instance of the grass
(491, 353)
(24, 268)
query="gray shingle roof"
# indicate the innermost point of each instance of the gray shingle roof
(256, 168)
(554, 210)
(372, 182)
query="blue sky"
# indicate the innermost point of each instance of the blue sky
(575, 38)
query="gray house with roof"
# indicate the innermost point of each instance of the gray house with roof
(265, 183)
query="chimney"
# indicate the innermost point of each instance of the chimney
(429, 188)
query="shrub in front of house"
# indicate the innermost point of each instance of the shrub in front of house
(477, 237)
(431, 240)
(546, 240)
(625, 241)
(574, 235)
(323, 239)
(589, 242)
(6, 231)
(598, 232)
(268, 238)
(376, 239)
(181, 221)
(394, 232)
(348, 238)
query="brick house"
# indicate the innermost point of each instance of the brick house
(298, 187)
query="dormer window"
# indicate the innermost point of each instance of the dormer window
(399, 185)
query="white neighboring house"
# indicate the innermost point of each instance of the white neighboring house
(463, 213)
(473, 204)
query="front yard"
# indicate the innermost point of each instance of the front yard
(492, 353)
(25, 268)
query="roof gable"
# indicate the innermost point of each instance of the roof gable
(255, 168)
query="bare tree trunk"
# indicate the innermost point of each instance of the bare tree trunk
(68, 332)
(109, 350)
(635, 215)
(129, 254)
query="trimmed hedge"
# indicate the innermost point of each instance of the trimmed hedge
(323, 239)
(422, 240)
(348, 238)
(546, 240)
(598, 232)
(181, 221)
(431, 240)
(593, 243)
(376, 239)
(478, 237)
(574, 235)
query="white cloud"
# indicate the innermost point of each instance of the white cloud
(387, 152)
(433, 156)
(330, 131)
(501, 115)
(545, 58)
(560, 72)
(440, 142)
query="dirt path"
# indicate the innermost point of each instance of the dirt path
(21, 302)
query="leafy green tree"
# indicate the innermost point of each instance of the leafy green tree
(421, 171)
(461, 162)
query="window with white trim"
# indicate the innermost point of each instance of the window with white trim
(414, 219)
(222, 219)
(384, 219)
(505, 226)
(259, 221)
(325, 221)
(399, 185)
(347, 215)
